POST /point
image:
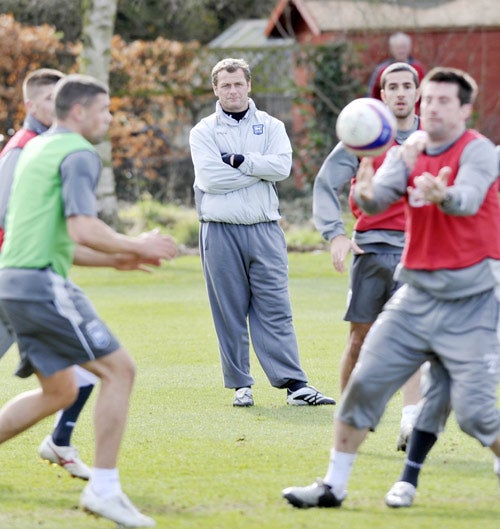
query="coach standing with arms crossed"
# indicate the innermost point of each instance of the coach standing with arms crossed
(239, 153)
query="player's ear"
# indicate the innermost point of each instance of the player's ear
(382, 96)
(77, 112)
(466, 110)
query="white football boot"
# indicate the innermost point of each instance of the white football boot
(118, 508)
(65, 456)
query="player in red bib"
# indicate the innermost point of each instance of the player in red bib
(446, 313)
(377, 240)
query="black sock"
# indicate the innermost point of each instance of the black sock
(420, 445)
(295, 385)
(64, 428)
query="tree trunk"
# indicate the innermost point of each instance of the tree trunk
(97, 31)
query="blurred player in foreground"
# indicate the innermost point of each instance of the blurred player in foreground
(446, 312)
(55, 324)
(38, 89)
(433, 418)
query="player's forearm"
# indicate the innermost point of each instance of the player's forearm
(92, 233)
(85, 256)
(478, 171)
(387, 186)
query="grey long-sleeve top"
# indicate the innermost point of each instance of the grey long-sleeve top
(243, 195)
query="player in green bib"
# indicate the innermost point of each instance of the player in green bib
(51, 223)
(38, 237)
(38, 90)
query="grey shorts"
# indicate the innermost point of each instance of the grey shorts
(55, 334)
(435, 404)
(415, 327)
(371, 285)
(7, 335)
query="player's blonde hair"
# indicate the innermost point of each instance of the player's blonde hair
(230, 65)
(39, 78)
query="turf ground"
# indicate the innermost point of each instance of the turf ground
(191, 460)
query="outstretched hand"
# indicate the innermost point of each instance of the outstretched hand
(130, 261)
(432, 188)
(413, 147)
(156, 246)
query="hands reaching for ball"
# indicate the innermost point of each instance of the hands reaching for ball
(155, 246)
(413, 147)
(433, 189)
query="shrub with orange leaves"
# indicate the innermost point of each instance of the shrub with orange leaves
(159, 90)
(25, 49)
(150, 83)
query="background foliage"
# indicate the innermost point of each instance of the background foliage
(333, 81)
(24, 49)
(182, 20)
(160, 88)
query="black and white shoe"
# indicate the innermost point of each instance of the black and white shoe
(319, 494)
(308, 396)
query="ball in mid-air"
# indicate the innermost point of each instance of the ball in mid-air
(366, 127)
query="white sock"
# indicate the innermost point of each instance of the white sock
(409, 414)
(105, 482)
(339, 472)
(496, 465)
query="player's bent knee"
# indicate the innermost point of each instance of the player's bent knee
(118, 363)
(61, 397)
(59, 390)
(120, 366)
(360, 389)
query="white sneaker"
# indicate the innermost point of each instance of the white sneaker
(118, 508)
(496, 467)
(65, 456)
(243, 398)
(404, 436)
(401, 494)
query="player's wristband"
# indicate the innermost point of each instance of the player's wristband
(446, 200)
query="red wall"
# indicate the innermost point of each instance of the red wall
(476, 51)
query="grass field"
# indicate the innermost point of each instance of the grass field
(191, 460)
